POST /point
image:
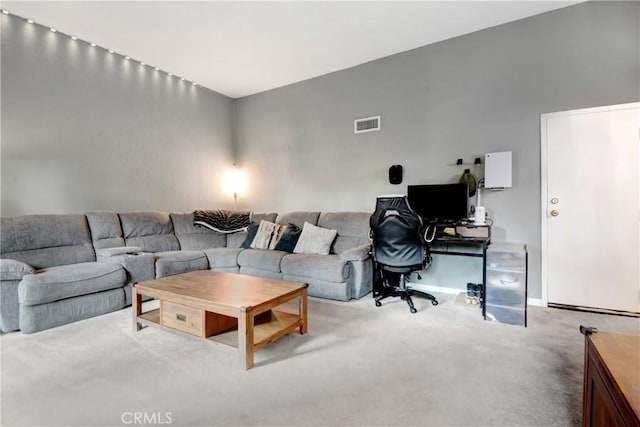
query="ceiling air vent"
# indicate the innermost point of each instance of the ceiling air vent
(368, 124)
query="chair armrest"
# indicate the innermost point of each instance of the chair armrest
(11, 269)
(358, 253)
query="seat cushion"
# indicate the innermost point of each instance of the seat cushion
(261, 259)
(329, 268)
(176, 262)
(152, 231)
(44, 241)
(57, 283)
(352, 227)
(223, 257)
(106, 231)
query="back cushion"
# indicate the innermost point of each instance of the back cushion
(193, 237)
(298, 218)
(353, 228)
(44, 241)
(105, 229)
(151, 231)
(234, 240)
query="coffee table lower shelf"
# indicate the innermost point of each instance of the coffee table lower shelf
(268, 328)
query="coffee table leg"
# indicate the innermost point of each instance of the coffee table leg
(136, 308)
(245, 337)
(303, 314)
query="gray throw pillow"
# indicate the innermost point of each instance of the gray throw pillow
(315, 240)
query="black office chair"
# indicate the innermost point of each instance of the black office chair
(399, 249)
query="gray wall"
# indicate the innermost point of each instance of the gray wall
(462, 97)
(86, 130)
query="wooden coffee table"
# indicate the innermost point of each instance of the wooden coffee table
(241, 311)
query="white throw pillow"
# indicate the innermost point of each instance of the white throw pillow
(315, 240)
(267, 235)
(263, 235)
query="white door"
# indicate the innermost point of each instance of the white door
(591, 207)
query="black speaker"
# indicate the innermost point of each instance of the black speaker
(395, 174)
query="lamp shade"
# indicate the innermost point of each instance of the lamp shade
(235, 182)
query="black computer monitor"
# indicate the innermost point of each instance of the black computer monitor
(439, 202)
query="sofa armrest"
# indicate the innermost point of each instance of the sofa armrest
(139, 266)
(358, 253)
(11, 269)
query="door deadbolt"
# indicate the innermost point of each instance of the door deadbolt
(555, 213)
(555, 201)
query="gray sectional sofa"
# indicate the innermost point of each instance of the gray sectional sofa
(57, 269)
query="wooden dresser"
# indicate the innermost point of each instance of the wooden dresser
(611, 380)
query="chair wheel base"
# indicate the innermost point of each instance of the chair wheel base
(405, 294)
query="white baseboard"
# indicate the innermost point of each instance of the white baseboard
(536, 301)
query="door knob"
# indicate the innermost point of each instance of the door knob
(555, 213)
(555, 200)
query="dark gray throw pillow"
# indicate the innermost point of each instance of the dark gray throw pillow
(251, 233)
(289, 238)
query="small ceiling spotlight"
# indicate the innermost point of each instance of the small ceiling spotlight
(111, 51)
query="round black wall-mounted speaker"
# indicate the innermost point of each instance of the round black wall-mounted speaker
(395, 174)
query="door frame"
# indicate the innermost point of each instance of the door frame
(544, 171)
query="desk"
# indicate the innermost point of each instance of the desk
(441, 241)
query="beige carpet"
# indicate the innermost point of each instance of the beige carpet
(358, 365)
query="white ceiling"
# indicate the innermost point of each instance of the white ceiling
(239, 48)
